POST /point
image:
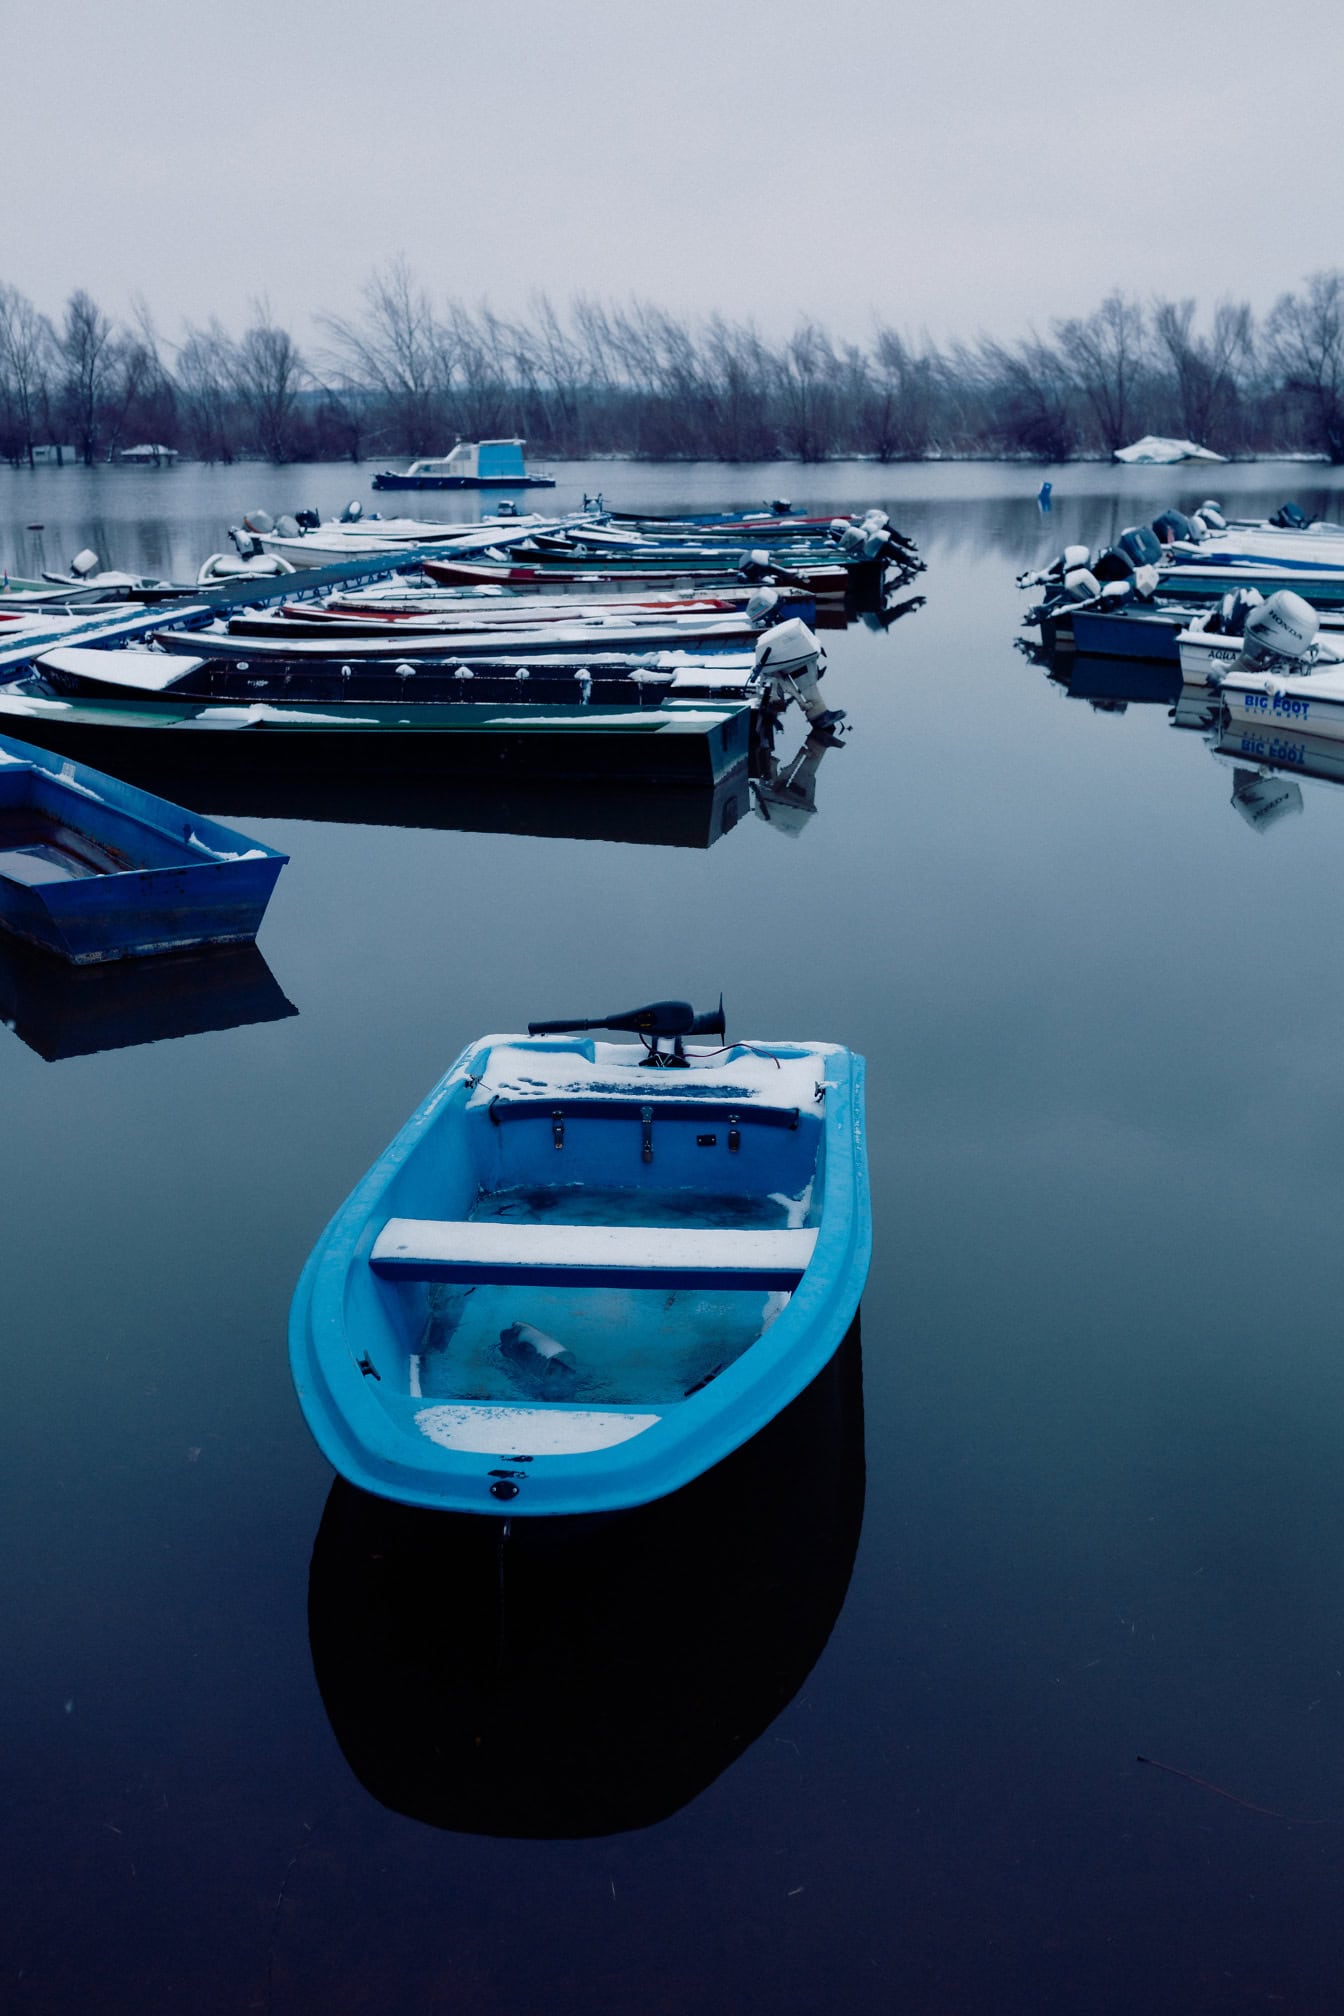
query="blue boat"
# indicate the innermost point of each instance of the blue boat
(93, 869)
(584, 1272)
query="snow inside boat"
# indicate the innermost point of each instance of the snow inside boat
(578, 1278)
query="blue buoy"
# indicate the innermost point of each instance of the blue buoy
(1043, 496)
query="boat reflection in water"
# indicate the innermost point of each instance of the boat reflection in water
(61, 1010)
(1266, 764)
(648, 814)
(575, 1677)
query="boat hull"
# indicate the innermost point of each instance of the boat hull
(671, 1377)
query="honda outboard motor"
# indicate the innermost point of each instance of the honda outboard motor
(287, 527)
(1290, 517)
(1142, 545)
(1279, 635)
(1081, 585)
(1211, 511)
(790, 662)
(84, 562)
(762, 605)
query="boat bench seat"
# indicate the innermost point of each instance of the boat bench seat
(629, 1256)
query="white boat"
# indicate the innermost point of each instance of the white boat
(335, 539)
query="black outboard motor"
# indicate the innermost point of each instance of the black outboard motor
(1142, 545)
(1113, 565)
(1290, 517)
(307, 521)
(657, 1020)
(1229, 618)
(1172, 525)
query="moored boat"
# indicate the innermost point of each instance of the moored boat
(93, 869)
(584, 1272)
(472, 465)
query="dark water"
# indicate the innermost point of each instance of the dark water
(697, 1762)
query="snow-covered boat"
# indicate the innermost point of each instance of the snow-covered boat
(1159, 448)
(584, 1272)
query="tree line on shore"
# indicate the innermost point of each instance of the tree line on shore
(401, 376)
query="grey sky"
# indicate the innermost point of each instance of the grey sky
(981, 164)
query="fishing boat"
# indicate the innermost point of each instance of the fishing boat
(651, 734)
(472, 465)
(584, 1272)
(93, 869)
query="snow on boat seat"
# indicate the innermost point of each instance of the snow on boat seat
(627, 1256)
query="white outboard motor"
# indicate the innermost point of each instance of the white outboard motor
(789, 661)
(247, 546)
(259, 521)
(1081, 584)
(287, 527)
(838, 527)
(1147, 581)
(353, 512)
(84, 562)
(1212, 517)
(876, 544)
(880, 519)
(762, 605)
(852, 540)
(1280, 634)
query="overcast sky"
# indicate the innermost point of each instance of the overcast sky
(965, 166)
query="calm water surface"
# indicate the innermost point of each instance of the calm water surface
(824, 1735)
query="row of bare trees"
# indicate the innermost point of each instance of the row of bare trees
(402, 375)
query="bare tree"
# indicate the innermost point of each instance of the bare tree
(1304, 337)
(1106, 353)
(807, 369)
(88, 360)
(27, 352)
(399, 352)
(204, 388)
(1205, 369)
(266, 371)
(1024, 392)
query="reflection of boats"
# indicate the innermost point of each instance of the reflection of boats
(583, 1677)
(649, 813)
(572, 1282)
(784, 794)
(1112, 683)
(93, 869)
(70, 1011)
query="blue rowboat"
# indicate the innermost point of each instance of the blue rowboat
(93, 869)
(584, 1272)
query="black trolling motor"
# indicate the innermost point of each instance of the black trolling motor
(657, 1020)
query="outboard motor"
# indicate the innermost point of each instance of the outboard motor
(1113, 565)
(1290, 517)
(308, 521)
(852, 541)
(790, 662)
(1147, 581)
(259, 521)
(248, 547)
(1229, 618)
(1052, 576)
(351, 515)
(1172, 525)
(781, 506)
(1280, 634)
(880, 519)
(1081, 585)
(1142, 545)
(762, 605)
(658, 1020)
(85, 562)
(1211, 511)
(287, 527)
